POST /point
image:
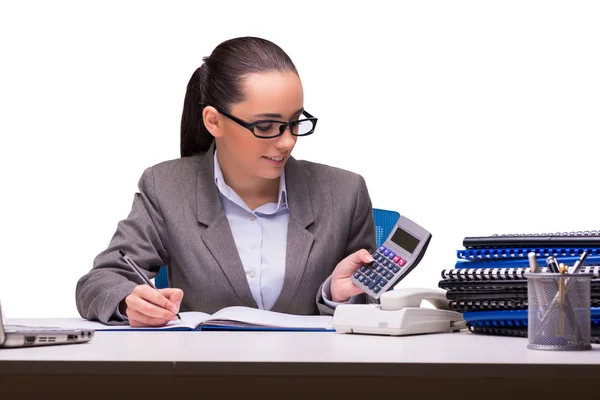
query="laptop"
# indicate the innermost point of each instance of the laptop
(28, 336)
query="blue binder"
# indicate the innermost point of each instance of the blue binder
(516, 253)
(510, 318)
(522, 262)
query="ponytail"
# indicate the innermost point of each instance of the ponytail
(194, 135)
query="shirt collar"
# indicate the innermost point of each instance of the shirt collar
(229, 193)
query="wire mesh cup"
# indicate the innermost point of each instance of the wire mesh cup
(558, 311)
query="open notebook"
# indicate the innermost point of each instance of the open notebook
(230, 318)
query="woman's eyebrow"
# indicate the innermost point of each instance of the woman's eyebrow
(271, 115)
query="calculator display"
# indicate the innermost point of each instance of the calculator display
(405, 240)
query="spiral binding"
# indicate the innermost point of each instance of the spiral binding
(572, 233)
(516, 253)
(474, 274)
(487, 305)
(496, 305)
(498, 285)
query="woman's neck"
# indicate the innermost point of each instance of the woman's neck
(255, 191)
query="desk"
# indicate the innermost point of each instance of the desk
(455, 365)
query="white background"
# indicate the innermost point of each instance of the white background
(469, 117)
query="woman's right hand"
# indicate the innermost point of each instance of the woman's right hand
(146, 306)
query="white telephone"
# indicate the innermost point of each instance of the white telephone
(400, 313)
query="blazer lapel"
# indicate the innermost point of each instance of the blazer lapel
(218, 237)
(299, 239)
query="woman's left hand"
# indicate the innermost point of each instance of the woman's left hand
(342, 288)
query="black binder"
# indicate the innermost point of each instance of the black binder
(564, 239)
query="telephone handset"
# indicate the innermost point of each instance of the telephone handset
(413, 297)
(400, 312)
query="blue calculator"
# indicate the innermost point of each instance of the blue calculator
(400, 253)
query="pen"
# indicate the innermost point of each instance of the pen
(138, 271)
(561, 299)
(579, 263)
(533, 265)
(552, 264)
(534, 268)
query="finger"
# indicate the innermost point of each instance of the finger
(138, 319)
(354, 261)
(174, 295)
(365, 256)
(155, 297)
(147, 308)
(350, 289)
(346, 290)
(360, 257)
(354, 290)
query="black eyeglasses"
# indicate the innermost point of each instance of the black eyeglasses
(269, 129)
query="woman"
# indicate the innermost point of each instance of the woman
(236, 219)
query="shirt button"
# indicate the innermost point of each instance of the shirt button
(252, 217)
(253, 246)
(251, 274)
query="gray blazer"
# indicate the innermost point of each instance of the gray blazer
(177, 219)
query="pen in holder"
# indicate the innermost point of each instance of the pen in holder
(559, 311)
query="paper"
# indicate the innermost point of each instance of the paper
(245, 316)
(235, 317)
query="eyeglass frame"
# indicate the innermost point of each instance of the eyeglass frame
(284, 125)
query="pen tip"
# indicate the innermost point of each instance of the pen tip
(122, 252)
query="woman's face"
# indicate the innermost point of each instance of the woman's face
(274, 96)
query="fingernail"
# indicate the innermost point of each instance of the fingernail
(370, 258)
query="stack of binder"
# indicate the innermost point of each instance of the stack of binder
(488, 283)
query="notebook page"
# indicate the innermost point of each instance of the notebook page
(247, 316)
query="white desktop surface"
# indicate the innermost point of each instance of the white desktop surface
(302, 348)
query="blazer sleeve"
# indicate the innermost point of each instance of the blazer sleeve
(99, 292)
(361, 236)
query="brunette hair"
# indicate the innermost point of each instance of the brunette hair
(219, 82)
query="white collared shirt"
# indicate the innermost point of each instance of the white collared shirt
(260, 237)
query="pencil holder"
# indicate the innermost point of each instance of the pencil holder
(558, 311)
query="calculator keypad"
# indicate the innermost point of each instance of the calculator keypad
(385, 267)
